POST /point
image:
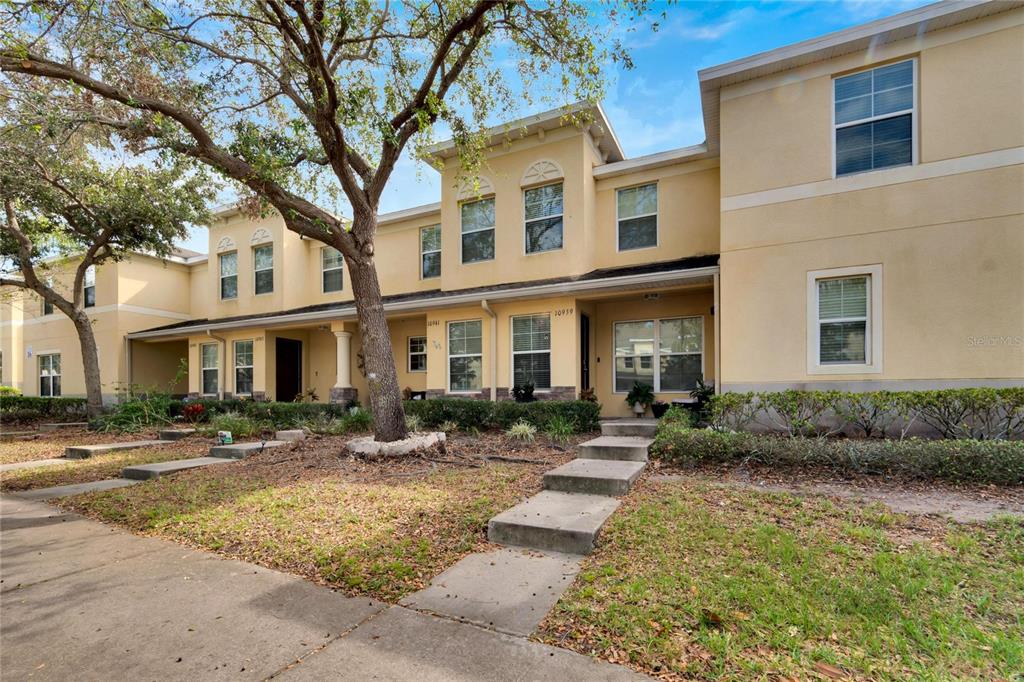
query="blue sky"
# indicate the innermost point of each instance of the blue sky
(656, 106)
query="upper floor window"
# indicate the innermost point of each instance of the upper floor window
(209, 366)
(465, 356)
(47, 306)
(531, 351)
(331, 267)
(243, 367)
(263, 268)
(417, 354)
(229, 275)
(638, 217)
(543, 210)
(89, 288)
(430, 251)
(874, 118)
(478, 230)
(49, 375)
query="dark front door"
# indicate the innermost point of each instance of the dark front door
(584, 352)
(289, 369)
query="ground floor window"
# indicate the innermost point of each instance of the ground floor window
(49, 375)
(209, 368)
(667, 354)
(465, 356)
(531, 351)
(417, 354)
(844, 320)
(243, 367)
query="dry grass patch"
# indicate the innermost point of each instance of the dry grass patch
(372, 528)
(52, 444)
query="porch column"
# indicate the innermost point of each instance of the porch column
(342, 390)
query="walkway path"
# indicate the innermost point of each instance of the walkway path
(85, 601)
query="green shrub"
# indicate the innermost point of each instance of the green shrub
(135, 414)
(239, 425)
(9, 391)
(799, 413)
(358, 419)
(560, 429)
(981, 461)
(522, 431)
(26, 408)
(467, 413)
(413, 423)
(448, 426)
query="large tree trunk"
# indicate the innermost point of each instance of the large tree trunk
(90, 364)
(385, 395)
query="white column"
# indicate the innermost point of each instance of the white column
(344, 379)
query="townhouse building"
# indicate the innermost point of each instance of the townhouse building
(854, 220)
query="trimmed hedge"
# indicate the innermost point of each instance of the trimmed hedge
(18, 408)
(483, 414)
(981, 461)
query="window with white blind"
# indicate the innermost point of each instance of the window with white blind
(243, 367)
(89, 287)
(209, 361)
(430, 251)
(667, 354)
(637, 210)
(331, 268)
(49, 375)
(478, 230)
(417, 354)
(874, 118)
(465, 356)
(543, 211)
(229, 275)
(531, 351)
(844, 320)
(263, 269)
(47, 306)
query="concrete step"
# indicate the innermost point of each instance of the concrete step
(176, 434)
(629, 448)
(34, 464)
(41, 494)
(594, 476)
(243, 450)
(554, 521)
(87, 451)
(629, 427)
(142, 472)
(63, 425)
(290, 434)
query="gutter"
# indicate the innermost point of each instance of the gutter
(493, 348)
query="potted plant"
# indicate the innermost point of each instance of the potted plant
(659, 408)
(640, 397)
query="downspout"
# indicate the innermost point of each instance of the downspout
(717, 282)
(128, 363)
(222, 373)
(493, 348)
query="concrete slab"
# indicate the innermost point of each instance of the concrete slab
(63, 425)
(553, 521)
(508, 590)
(143, 472)
(401, 645)
(175, 434)
(290, 435)
(34, 464)
(87, 451)
(630, 448)
(4, 435)
(594, 476)
(243, 450)
(629, 427)
(73, 489)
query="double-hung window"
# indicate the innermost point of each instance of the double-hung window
(531, 351)
(89, 287)
(543, 212)
(229, 275)
(263, 269)
(49, 375)
(417, 354)
(47, 306)
(331, 268)
(874, 118)
(478, 230)
(243, 367)
(209, 362)
(637, 217)
(430, 251)
(666, 354)
(465, 356)
(844, 322)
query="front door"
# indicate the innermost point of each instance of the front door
(584, 352)
(289, 369)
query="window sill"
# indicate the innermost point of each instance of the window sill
(637, 248)
(844, 369)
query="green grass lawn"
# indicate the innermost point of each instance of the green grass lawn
(692, 580)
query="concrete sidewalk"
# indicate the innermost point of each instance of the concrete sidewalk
(84, 601)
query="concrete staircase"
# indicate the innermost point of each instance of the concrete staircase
(579, 496)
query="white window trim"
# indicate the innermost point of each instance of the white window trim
(914, 160)
(492, 228)
(90, 274)
(657, 221)
(437, 250)
(39, 371)
(409, 353)
(221, 276)
(324, 270)
(256, 271)
(514, 353)
(873, 335)
(526, 250)
(656, 359)
(449, 356)
(234, 358)
(204, 370)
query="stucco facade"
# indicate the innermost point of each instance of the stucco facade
(757, 260)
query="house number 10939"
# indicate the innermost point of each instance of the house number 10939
(562, 312)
